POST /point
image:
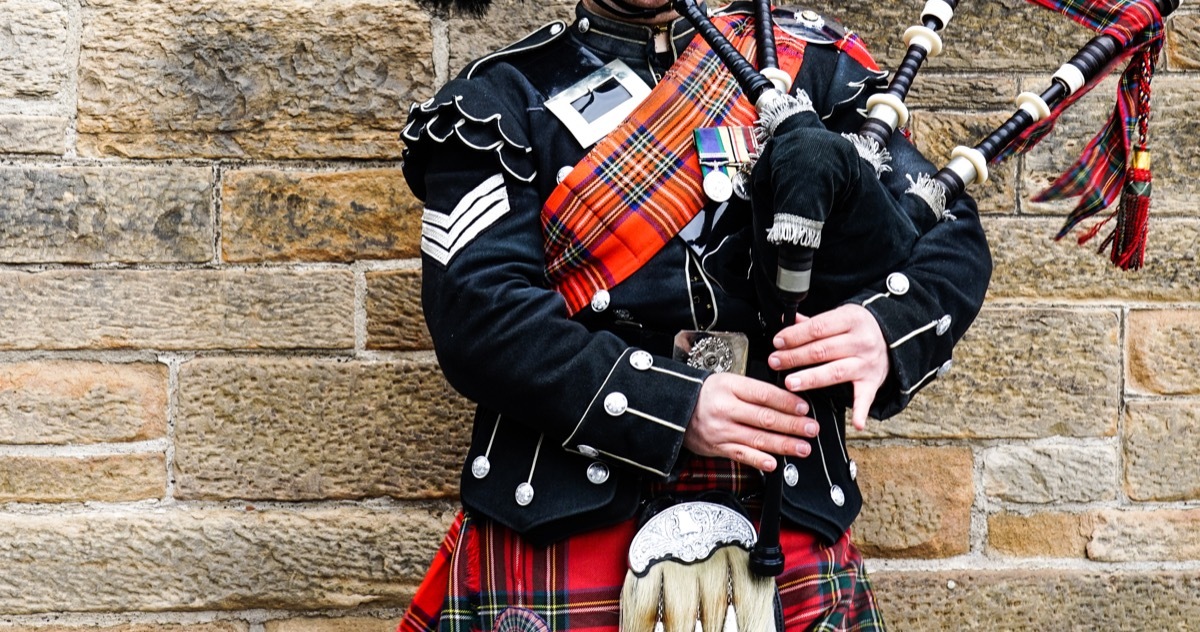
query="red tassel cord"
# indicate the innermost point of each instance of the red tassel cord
(1128, 239)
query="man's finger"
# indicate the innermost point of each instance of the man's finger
(759, 393)
(823, 375)
(863, 398)
(823, 325)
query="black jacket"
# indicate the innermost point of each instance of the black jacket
(577, 414)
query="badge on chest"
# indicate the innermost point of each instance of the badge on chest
(596, 105)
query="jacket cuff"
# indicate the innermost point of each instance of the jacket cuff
(918, 335)
(640, 413)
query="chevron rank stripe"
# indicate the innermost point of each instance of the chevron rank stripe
(443, 235)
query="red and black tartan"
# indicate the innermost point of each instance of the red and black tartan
(485, 577)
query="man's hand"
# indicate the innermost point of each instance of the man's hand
(748, 421)
(835, 347)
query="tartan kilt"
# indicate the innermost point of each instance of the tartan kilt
(485, 577)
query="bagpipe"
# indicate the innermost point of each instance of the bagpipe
(795, 205)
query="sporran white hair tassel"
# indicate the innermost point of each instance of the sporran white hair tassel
(716, 594)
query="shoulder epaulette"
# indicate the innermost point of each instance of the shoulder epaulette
(535, 40)
(808, 25)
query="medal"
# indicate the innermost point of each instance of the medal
(718, 186)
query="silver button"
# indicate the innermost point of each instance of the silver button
(809, 16)
(562, 174)
(524, 494)
(597, 473)
(600, 300)
(897, 283)
(641, 360)
(588, 450)
(584, 25)
(838, 496)
(555, 29)
(943, 324)
(615, 404)
(480, 466)
(945, 368)
(853, 470)
(791, 475)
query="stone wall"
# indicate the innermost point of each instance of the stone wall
(219, 411)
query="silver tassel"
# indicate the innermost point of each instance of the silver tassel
(795, 230)
(932, 192)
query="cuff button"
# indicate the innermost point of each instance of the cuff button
(616, 404)
(897, 284)
(945, 368)
(943, 324)
(587, 450)
(641, 360)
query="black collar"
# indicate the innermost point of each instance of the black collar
(629, 42)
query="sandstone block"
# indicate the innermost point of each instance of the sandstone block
(116, 478)
(1029, 264)
(59, 402)
(1023, 372)
(34, 51)
(394, 317)
(257, 79)
(1050, 474)
(300, 429)
(1026, 599)
(33, 134)
(186, 309)
(1183, 42)
(937, 133)
(216, 626)
(1151, 535)
(1163, 347)
(917, 501)
(271, 215)
(197, 560)
(103, 214)
(344, 624)
(1160, 450)
(940, 91)
(1174, 163)
(1040, 535)
(998, 36)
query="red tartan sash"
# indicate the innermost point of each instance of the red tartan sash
(640, 185)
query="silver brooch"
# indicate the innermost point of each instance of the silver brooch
(711, 354)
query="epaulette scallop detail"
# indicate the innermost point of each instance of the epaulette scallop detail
(808, 25)
(440, 121)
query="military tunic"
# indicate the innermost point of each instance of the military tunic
(580, 418)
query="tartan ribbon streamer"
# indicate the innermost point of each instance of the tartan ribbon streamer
(641, 184)
(1098, 175)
